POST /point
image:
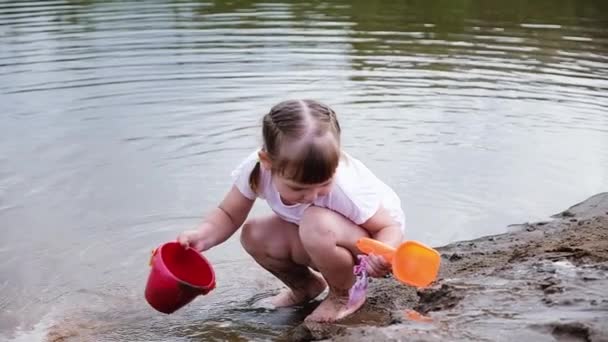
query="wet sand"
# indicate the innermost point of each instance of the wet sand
(543, 281)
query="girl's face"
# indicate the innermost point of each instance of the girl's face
(294, 193)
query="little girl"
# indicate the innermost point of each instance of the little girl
(323, 201)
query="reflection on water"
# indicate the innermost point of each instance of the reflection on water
(122, 119)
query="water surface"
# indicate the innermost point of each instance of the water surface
(121, 121)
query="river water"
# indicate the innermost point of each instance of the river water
(121, 121)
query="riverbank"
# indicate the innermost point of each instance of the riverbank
(541, 281)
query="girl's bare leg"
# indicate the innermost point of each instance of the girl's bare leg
(329, 240)
(275, 245)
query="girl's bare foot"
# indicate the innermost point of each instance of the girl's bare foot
(313, 287)
(334, 308)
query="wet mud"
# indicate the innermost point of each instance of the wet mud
(542, 281)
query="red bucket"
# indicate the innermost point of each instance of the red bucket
(177, 276)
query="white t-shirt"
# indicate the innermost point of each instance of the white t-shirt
(356, 192)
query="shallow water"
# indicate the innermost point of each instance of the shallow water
(121, 121)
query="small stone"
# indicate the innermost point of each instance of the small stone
(553, 290)
(573, 220)
(530, 228)
(567, 214)
(455, 257)
(301, 333)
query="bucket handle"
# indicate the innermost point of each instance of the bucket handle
(154, 251)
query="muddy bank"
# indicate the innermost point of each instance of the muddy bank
(542, 281)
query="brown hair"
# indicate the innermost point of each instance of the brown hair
(302, 139)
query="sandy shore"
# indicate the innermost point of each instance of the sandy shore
(542, 281)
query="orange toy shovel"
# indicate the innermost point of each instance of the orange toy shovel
(412, 262)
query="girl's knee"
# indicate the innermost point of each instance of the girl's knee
(316, 218)
(253, 235)
(322, 228)
(261, 238)
(316, 227)
(319, 220)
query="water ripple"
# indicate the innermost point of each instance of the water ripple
(122, 123)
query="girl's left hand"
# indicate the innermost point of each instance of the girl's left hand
(377, 266)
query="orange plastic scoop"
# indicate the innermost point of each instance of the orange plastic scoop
(412, 262)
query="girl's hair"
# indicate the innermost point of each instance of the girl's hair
(302, 140)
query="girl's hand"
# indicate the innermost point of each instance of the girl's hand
(194, 239)
(377, 266)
